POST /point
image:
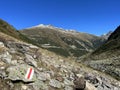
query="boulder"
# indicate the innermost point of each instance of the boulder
(1, 44)
(43, 76)
(14, 62)
(2, 74)
(30, 60)
(24, 87)
(68, 88)
(59, 78)
(55, 83)
(68, 82)
(18, 73)
(79, 83)
(92, 78)
(33, 46)
(39, 85)
(90, 87)
(6, 57)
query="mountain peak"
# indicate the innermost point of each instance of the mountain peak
(49, 26)
(44, 26)
(106, 35)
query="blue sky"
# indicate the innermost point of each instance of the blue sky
(90, 16)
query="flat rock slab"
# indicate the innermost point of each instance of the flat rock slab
(55, 83)
(19, 72)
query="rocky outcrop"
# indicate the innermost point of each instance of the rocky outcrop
(30, 60)
(55, 83)
(6, 57)
(18, 73)
(79, 83)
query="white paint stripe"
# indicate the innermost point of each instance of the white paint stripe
(31, 76)
(27, 73)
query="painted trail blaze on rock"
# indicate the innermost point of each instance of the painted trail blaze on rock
(29, 74)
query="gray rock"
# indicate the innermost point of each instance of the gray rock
(39, 85)
(32, 46)
(59, 78)
(55, 83)
(17, 46)
(19, 72)
(11, 85)
(52, 73)
(14, 62)
(1, 44)
(30, 60)
(100, 88)
(89, 86)
(116, 88)
(12, 50)
(63, 69)
(107, 88)
(2, 74)
(68, 88)
(68, 82)
(20, 62)
(107, 85)
(79, 83)
(24, 87)
(6, 57)
(43, 76)
(92, 79)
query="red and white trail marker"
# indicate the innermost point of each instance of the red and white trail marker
(29, 74)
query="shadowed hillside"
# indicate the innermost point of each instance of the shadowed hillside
(10, 30)
(111, 46)
(107, 57)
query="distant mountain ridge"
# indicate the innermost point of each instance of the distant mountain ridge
(49, 26)
(63, 42)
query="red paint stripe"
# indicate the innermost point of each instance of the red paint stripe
(30, 71)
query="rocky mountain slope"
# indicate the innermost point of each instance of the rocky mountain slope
(10, 30)
(106, 58)
(51, 72)
(63, 42)
(112, 44)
